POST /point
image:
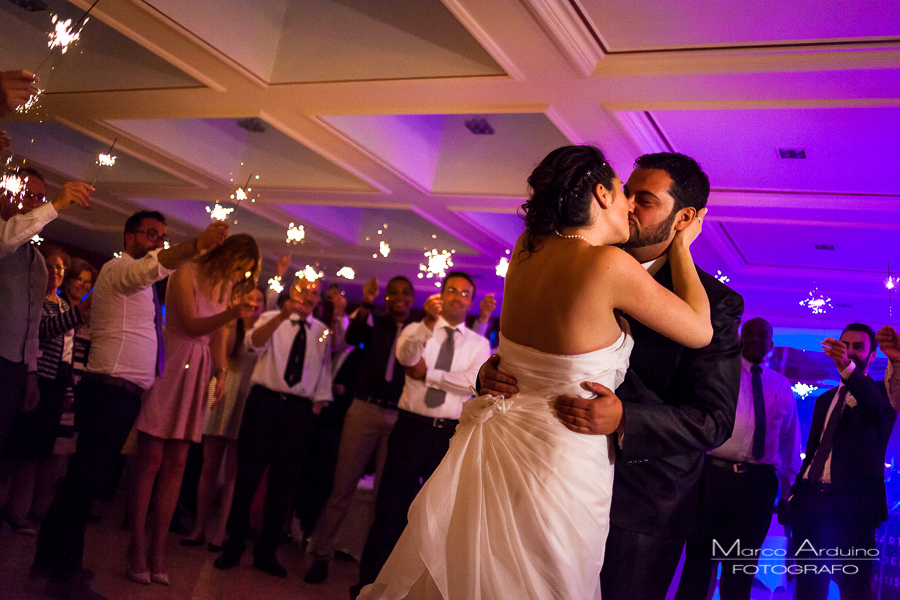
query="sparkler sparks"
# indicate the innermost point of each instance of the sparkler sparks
(384, 248)
(31, 103)
(309, 274)
(64, 34)
(219, 212)
(36, 240)
(502, 267)
(892, 282)
(722, 276)
(818, 303)
(295, 234)
(12, 184)
(106, 160)
(803, 390)
(346, 273)
(438, 263)
(275, 285)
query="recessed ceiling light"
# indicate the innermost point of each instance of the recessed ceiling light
(792, 153)
(824, 246)
(479, 126)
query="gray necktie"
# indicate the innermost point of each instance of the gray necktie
(392, 359)
(433, 396)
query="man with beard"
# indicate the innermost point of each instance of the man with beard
(372, 414)
(675, 403)
(441, 356)
(291, 384)
(839, 498)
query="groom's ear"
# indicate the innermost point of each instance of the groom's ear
(684, 217)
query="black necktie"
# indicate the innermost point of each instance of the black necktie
(158, 320)
(759, 413)
(817, 467)
(293, 372)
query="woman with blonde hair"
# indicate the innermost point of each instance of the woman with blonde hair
(174, 409)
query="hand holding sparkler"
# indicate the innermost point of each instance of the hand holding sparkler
(889, 342)
(433, 308)
(282, 265)
(73, 192)
(486, 308)
(212, 236)
(836, 350)
(16, 87)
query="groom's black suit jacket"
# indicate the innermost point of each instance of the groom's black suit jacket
(857, 453)
(678, 403)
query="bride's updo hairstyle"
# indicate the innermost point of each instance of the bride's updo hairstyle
(562, 189)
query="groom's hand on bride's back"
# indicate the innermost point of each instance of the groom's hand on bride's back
(493, 381)
(596, 416)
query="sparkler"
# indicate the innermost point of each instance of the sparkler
(243, 192)
(275, 285)
(346, 273)
(105, 160)
(437, 264)
(36, 240)
(890, 284)
(803, 390)
(502, 267)
(818, 303)
(295, 234)
(309, 274)
(219, 212)
(722, 276)
(384, 248)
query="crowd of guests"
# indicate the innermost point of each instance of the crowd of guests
(299, 395)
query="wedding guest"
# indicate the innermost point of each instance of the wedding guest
(173, 411)
(77, 284)
(33, 433)
(441, 357)
(291, 383)
(372, 414)
(222, 424)
(838, 499)
(23, 283)
(126, 355)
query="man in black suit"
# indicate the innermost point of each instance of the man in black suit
(675, 403)
(839, 499)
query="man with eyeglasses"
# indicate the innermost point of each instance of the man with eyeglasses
(441, 357)
(126, 357)
(23, 285)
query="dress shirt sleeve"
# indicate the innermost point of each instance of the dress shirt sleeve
(480, 328)
(262, 320)
(411, 344)
(892, 384)
(21, 228)
(323, 383)
(460, 381)
(129, 277)
(339, 329)
(789, 441)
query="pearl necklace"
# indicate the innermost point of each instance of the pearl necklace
(572, 237)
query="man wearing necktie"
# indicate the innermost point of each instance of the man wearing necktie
(441, 356)
(740, 479)
(291, 382)
(372, 414)
(839, 498)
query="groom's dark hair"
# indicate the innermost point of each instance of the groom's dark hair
(690, 185)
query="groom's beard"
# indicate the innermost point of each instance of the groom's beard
(658, 234)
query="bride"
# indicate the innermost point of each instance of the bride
(519, 507)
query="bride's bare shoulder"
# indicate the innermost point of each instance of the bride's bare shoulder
(612, 258)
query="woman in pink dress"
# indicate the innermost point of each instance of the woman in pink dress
(174, 409)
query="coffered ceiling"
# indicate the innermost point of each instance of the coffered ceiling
(364, 109)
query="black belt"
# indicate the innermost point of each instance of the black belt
(430, 421)
(375, 401)
(738, 467)
(261, 389)
(817, 486)
(115, 381)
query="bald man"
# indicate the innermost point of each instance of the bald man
(740, 479)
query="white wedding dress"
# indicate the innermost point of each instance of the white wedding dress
(519, 507)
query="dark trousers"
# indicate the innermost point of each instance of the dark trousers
(12, 386)
(275, 433)
(734, 507)
(817, 523)
(638, 566)
(415, 449)
(104, 416)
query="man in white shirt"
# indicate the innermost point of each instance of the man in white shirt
(291, 384)
(740, 479)
(23, 285)
(442, 357)
(126, 357)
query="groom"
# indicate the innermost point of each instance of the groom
(674, 404)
